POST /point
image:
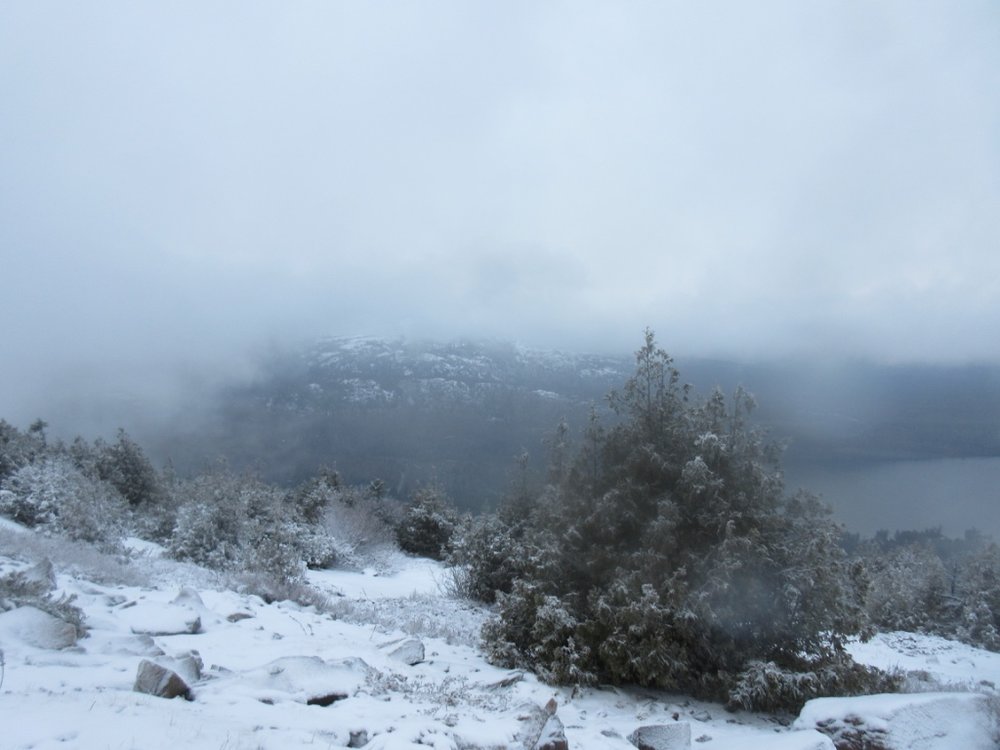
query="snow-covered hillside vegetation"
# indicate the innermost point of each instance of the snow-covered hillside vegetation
(387, 660)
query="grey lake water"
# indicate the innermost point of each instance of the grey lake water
(955, 494)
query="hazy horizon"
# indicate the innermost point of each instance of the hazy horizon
(184, 186)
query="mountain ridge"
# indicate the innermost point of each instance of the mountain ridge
(458, 413)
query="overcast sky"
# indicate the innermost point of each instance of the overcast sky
(180, 182)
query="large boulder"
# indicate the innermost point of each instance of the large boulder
(155, 679)
(676, 736)
(930, 721)
(34, 627)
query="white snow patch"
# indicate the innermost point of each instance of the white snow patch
(946, 663)
(6, 523)
(143, 547)
(283, 653)
(929, 721)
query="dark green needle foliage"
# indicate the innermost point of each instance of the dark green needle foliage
(670, 556)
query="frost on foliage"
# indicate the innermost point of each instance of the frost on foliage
(668, 554)
(428, 524)
(488, 557)
(924, 582)
(237, 523)
(54, 495)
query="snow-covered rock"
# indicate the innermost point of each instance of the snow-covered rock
(929, 721)
(301, 679)
(155, 679)
(153, 618)
(188, 665)
(409, 652)
(34, 627)
(188, 597)
(531, 719)
(552, 736)
(676, 736)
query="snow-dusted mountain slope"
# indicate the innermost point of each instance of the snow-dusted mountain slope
(407, 413)
(458, 413)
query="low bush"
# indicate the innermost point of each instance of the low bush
(53, 495)
(487, 557)
(427, 524)
(764, 686)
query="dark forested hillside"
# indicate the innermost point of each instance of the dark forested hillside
(461, 413)
(408, 413)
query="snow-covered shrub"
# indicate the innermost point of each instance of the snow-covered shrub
(979, 589)
(764, 686)
(535, 630)
(319, 550)
(272, 588)
(508, 637)
(53, 494)
(18, 448)
(229, 523)
(427, 524)
(206, 532)
(909, 586)
(339, 525)
(668, 554)
(78, 558)
(33, 493)
(360, 521)
(926, 582)
(272, 546)
(487, 557)
(310, 500)
(125, 466)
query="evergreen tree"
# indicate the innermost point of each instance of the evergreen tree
(669, 555)
(125, 466)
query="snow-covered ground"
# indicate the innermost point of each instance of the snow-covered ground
(262, 663)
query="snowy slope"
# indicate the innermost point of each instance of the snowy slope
(263, 662)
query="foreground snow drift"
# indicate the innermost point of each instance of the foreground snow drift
(928, 721)
(270, 676)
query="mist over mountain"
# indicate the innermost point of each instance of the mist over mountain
(463, 413)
